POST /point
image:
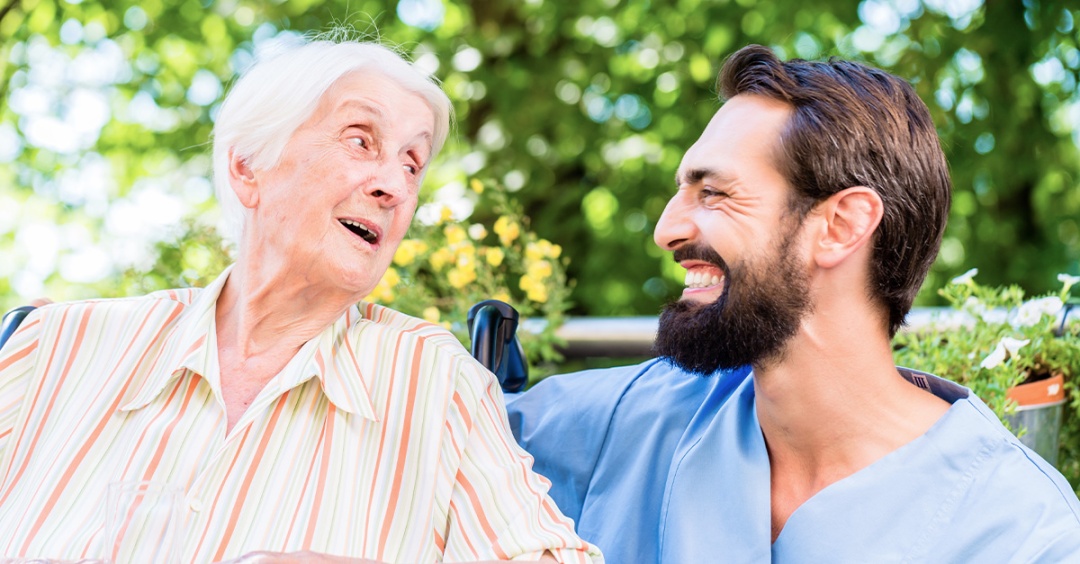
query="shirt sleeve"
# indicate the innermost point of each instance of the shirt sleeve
(499, 506)
(563, 423)
(17, 361)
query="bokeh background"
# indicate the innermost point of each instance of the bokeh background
(581, 110)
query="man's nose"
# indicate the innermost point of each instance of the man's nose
(675, 227)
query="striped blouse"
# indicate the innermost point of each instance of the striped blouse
(382, 438)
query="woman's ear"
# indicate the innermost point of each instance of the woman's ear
(242, 181)
(849, 218)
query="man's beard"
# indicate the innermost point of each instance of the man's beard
(758, 312)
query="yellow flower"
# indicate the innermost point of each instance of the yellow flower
(507, 230)
(540, 269)
(477, 232)
(494, 256)
(534, 289)
(431, 313)
(461, 277)
(407, 251)
(466, 248)
(466, 258)
(446, 214)
(384, 290)
(441, 258)
(501, 296)
(542, 249)
(454, 234)
(476, 186)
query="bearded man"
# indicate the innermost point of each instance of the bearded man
(775, 425)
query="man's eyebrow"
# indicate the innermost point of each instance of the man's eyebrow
(696, 175)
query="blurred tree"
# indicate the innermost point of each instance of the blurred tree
(583, 109)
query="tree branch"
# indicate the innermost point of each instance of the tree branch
(7, 8)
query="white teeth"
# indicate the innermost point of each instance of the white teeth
(355, 224)
(701, 280)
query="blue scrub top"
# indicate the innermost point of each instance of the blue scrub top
(658, 465)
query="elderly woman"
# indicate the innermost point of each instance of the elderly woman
(292, 418)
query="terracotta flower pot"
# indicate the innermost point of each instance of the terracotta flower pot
(1039, 414)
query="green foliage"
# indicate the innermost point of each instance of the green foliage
(999, 341)
(583, 109)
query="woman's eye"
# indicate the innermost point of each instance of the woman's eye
(359, 142)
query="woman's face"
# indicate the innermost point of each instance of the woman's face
(341, 198)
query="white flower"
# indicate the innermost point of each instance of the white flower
(1069, 281)
(966, 277)
(1030, 312)
(1013, 345)
(975, 307)
(1007, 346)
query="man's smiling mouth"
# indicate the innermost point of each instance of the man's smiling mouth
(699, 279)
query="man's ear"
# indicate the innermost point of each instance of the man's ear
(849, 219)
(242, 181)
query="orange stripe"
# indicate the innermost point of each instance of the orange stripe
(37, 395)
(403, 445)
(195, 346)
(246, 485)
(81, 454)
(440, 543)
(80, 333)
(307, 480)
(457, 518)
(156, 459)
(464, 412)
(328, 433)
(142, 436)
(21, 354)
(478, 510)
(221, 487)
(525, 469)
(382, 439)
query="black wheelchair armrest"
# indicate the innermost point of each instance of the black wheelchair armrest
(493, 331)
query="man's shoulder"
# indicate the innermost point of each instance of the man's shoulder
(1007, 482)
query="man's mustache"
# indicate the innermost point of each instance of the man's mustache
(700, 252)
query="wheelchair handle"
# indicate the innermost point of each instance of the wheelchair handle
(11, 322)
(493, 332)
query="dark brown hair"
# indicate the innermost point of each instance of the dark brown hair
(854, 125)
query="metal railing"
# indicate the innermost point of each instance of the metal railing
(633, 336)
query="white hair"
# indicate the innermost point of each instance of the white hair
(277, 95)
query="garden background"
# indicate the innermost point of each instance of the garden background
(579, 111)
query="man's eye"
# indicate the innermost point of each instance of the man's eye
(411, 169)
(359, 142)
(709, 194)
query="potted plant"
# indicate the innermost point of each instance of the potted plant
(1020, 356)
